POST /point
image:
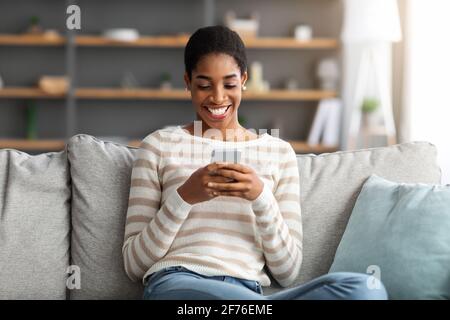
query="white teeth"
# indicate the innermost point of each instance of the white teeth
(219, 111)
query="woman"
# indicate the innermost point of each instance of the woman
(202, 230)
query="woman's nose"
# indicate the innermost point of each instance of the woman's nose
(218, 96)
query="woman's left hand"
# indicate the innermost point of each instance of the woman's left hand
(247, 184)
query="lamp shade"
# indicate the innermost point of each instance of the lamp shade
(371, 21)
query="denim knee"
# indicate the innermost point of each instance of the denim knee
(359, 286)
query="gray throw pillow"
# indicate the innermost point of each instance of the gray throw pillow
(101, 173)
(34, 225)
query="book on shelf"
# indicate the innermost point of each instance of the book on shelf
(325, 126)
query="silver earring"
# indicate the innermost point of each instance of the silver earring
(244, 88)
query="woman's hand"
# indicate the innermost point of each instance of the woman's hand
(247, 184)
(195, 189)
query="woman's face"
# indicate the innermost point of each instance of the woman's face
(216, 88)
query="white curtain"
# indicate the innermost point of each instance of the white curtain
(352, 54)
(369, 29)
(427, 76)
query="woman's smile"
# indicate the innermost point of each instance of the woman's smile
(218, 112)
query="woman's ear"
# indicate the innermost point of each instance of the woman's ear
(244, 78)
(187, 82)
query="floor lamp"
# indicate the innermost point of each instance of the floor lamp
(370, 27)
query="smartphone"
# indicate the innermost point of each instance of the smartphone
(226, 155)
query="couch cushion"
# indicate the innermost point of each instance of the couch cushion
(401, 231)
(330, 184)
(34, 225)
(101, 173)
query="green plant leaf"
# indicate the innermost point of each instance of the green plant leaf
(370, 105)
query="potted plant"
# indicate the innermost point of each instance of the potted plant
(35, 27)
(165, 83)
(369, 107)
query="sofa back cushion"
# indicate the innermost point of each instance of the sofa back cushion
(101, 173)
(330, 184)
(34, 225)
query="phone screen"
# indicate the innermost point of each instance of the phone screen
(226, 155)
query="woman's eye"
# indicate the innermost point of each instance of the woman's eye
(227, 86)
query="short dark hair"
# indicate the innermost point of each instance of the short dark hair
(214, 39)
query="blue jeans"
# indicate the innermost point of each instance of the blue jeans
(179, 283)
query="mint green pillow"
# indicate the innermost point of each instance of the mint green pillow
(401, 231)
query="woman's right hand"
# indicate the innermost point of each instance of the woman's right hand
(195, 189)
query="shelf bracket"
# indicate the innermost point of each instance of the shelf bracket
(209, 8)
(71, 122)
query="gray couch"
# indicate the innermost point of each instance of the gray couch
(68, 208)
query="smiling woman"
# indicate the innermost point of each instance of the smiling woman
(200, 230)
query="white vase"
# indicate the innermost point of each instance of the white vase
(370, 119)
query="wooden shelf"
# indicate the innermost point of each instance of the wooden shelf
(157, 94)
(180, 41)
(290, 95)
(278, 95)
(144, 41)
(117, 93)
(162, 42)
(16, 92)
(303, 147)
(31, 40)
(290, 43)
(32, 145)
(58, 145)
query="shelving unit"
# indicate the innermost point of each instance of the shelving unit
(73, 42)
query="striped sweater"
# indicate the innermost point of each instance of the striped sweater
(223, 236)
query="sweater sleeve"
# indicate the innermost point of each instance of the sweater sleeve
(150, 227)
(278, 217)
